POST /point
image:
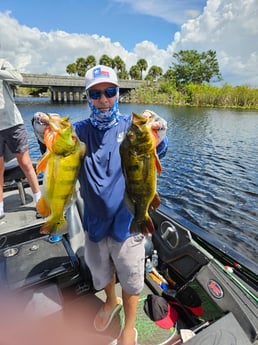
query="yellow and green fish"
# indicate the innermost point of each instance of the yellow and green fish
(61, 164)
(140, 165)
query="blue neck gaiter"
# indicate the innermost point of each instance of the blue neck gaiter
(106, 120)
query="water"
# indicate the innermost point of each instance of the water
(210, 173)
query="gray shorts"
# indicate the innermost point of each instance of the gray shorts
(15, 138)
(126, 258)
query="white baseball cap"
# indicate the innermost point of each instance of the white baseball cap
(100, 74)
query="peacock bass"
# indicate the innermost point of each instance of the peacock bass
(140, 165)
(61, 164)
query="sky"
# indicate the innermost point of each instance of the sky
(46, 36)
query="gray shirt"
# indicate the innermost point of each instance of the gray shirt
(9, 113)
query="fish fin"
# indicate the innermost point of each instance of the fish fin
(82, 149)
(42, 207)
(49, 138)
(158, 165)
(42, 164)
(155, 201)
(139, 119)
(51, 227)
(144, 227)
(155, 137)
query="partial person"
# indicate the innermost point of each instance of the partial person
(12, 131)
(111, 251)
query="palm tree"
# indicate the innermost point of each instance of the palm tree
(135, 72)
(81, 66)
(143, 65)
(154, 73)
(90, 61)
(118, 63)
(120, 67)
(106, 60)
(71, 69)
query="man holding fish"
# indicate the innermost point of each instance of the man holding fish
(112, 248)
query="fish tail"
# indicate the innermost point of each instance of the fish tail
(53, 227)
(155, 202)
(146, 226)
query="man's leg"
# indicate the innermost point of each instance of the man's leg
(130, 303)
(129, 260)
(110, 291)
(27, 167)
(103, 317)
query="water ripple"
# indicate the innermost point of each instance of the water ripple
(210, 173)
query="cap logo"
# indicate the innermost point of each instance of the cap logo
(98, 72)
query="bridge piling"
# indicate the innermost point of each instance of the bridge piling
(66, 96)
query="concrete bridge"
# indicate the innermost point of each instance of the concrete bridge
(68, 88)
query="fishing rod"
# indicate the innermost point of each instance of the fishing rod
(248, 276)
(228, 272)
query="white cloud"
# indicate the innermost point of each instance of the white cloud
(149, 51)
(229, 27)
(32, 51)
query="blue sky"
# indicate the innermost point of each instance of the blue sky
(122, 21)
(113, 19)
(45, 36)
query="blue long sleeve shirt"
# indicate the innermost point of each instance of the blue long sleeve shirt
(102, 182)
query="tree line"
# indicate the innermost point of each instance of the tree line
(190, 66)
(186, 82)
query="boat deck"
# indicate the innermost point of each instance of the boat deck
(71, 313)
(17, 215)
(53, 278)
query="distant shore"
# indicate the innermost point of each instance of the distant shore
(238, 97)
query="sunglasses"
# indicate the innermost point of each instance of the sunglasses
(109, 93)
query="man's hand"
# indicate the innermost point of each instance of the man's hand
(156, 121)
(44, 117)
